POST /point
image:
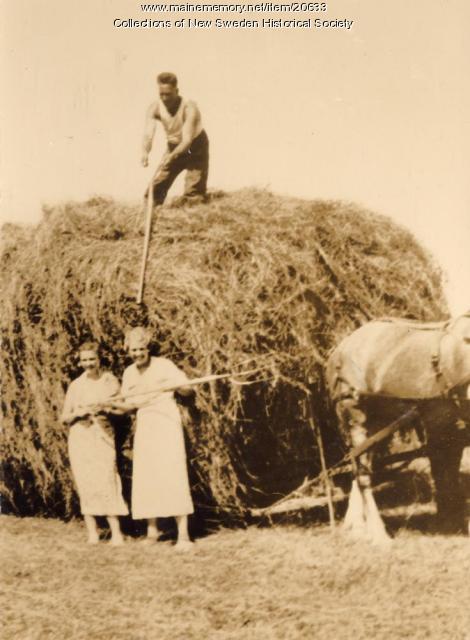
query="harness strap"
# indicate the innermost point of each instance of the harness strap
(436, 366)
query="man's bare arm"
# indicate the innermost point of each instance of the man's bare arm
(149, 132)
(191, 121)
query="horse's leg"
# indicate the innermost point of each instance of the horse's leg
(375, 525)
(375, 528)
(354, 520)
(371, 523)
(359, 512)
(445, 467)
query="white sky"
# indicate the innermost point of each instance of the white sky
(378, 115)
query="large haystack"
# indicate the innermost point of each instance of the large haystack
(246, 279)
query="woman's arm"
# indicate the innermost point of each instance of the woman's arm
(73, 411)
(117, 407)
(114, 403)
(176, 377)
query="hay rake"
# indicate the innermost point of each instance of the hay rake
(118, 400)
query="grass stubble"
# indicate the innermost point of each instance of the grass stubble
(284, 582)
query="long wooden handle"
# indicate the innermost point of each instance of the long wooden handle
(326, 477)
(190, 383)
(383, 433)
(148, 230)
(173, 387)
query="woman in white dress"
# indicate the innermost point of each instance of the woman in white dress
(91, 445)
(160, 484)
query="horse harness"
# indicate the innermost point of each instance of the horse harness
(454, 392)
(449, 391)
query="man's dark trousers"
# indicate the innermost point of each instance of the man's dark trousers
(195, 161)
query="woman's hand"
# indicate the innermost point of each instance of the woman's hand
(185, 391)
(118, 407)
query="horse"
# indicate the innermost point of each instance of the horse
(390, 368)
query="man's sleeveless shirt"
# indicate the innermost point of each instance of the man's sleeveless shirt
(173, 125)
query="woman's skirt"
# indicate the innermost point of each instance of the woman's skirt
(93, 460)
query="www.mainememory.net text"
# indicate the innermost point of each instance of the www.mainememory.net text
(262, 7)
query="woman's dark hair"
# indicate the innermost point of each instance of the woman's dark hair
(89, 345)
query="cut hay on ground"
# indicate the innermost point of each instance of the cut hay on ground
(281, 583)
(247, 279)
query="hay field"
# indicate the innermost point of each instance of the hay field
(285, 582)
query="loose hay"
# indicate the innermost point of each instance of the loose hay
(280, 583)
(246, 279)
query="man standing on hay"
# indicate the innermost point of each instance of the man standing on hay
(187, 142)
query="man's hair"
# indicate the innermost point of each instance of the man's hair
(167, 78)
